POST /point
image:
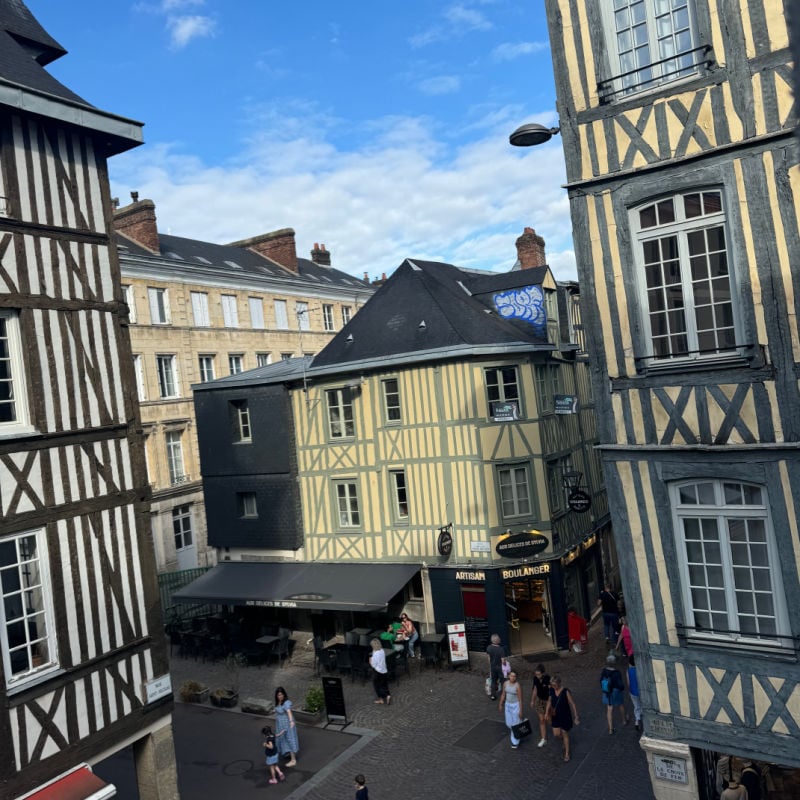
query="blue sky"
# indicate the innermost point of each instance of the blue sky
(378, 129)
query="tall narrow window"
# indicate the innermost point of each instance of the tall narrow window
(281, 315)
(327, 317)
(175, 457)
(159, 306)
(200, 309)
(286, 356)
(302, 314)
(167, 376)
(206, 364)
(182, 527)
(13, 394)
(391, 400)
(241, 416)
(347, 315)
(263, 359)
(230, 311)
(502, 391)
(28, 631)
(235, 363)
(347, 504)
(340, 413)
(246, 505)
(399, 495)
(130, 300)
(256, 313)
(557, 493)
(514, 485)
(138, 370)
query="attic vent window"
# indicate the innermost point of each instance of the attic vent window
(233, 264)
(349, 338)
(422, 326)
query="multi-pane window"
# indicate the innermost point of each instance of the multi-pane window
(167, 376)
(200, 309)
(206, 364)
(347, 314)
(327, 317)
(235, 363)
(685, 274)
(246, 504)
(28, 633)
(182, 526)
(13, 397)
(230, 311)
(730, 570)
(651, 42)
(502, 391)
(399, 495)
(302, 314)
(263, 359)
(159, 306)
(347, 504)
(281, 315)
(514, 485)
(241, 415)
(340, 413)
(549, 383)
(256, 312)
(130, 300)
(174, 441)
(391, 400)
(138, 370)
(557, 492)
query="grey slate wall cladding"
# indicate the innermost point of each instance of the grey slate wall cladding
(793, 14)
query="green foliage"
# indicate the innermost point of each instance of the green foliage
(315, 700)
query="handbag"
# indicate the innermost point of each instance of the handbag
(488, 686)
(522, 729)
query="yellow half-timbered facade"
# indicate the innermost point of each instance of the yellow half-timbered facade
(678, 127)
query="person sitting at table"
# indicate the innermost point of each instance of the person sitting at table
(411, 633)
(390, 637)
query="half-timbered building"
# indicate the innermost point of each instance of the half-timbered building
(439, 437)
(678, 128)
(84, 669)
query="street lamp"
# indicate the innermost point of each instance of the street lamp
(571, 480)
(531, 134)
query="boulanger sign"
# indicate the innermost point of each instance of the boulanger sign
(528, 571)
(522, 545)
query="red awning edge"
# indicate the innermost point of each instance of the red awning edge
(79, 783)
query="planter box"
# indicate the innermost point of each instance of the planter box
(224, 700)
(308, 717)
(195, 697)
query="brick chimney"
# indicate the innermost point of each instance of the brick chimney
(278, 246)
(530, 250)
(319, 255)
(138, 222)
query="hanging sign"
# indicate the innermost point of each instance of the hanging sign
(445, 542)
(565, 404)
(522, 545)
(579, 501)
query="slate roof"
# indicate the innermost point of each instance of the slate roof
(202, 256)
(441, 296)
(283, 371)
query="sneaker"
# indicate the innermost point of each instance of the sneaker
(515, 747)
(493, 698)
(542, 743)
(272, 780)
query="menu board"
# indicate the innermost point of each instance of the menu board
(334, 698)
(457, 643)
(477, 633)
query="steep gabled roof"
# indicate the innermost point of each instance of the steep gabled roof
(428, 306)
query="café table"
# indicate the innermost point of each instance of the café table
(432, 648)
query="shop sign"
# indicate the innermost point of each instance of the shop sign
(522, 545)
(480, 547)
(470, 575)
(157, 688)
(579, 501)
(445, 542)
(565, 404)
(505, 412)
(528, 571)
(272, 603)
(670, 769)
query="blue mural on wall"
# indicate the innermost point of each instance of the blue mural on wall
(526, 303)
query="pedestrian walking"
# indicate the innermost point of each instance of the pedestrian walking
(539, 697)
(608, 602)
(577, 630)
(380, 673)
(510, 702)
(496, 653)
(362, 793)
(734, 791)
(633, 690)
(286, 728)
(271, 755)
(613, 690)
(562, 713)
(624, 640)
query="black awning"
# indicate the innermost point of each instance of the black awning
(339, 587)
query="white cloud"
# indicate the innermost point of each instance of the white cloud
(458, 20)
(185, 28)
(405, 193)
(174, 5)
(441, 84)
(508, 51)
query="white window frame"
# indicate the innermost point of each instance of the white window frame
(167, 371)
(399, 489)
(138, 370)
(130, 300)
(731, 575)
(247, 505)
(256, 306)
(327, 318)
(158, 300)
(512, 504)
(392, 405)
(348, 508)
(200, 310)
(286, 356)
(33, 580)
(682, 230)
(235, 363)
(630, 77)
(499, 389)
(15, 397)
(230, 310)
(347, 314)
(182, 527)
(243, 427)
(281, 315)
(301, 311)
(263, 359)
(175, 465)
(206, 365)
(339, 404)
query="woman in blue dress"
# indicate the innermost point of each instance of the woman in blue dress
(285, 727)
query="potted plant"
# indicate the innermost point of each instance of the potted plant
(228, 696)
(193, 692)
(313, 706)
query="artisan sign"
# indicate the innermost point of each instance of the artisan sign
(522, 545)
(470, 575)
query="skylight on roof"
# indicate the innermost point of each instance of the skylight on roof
(325, 278)
(267, 270)
(349, 282)
(233, 264)
(170, 254)
(202, 260)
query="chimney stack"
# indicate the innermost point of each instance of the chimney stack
(530, 250)
(138, 222)
(319, 255)
(278, 246)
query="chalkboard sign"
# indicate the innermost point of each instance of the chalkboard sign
(477, 633)
(334, 700)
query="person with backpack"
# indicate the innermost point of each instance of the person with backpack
(613, 688)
